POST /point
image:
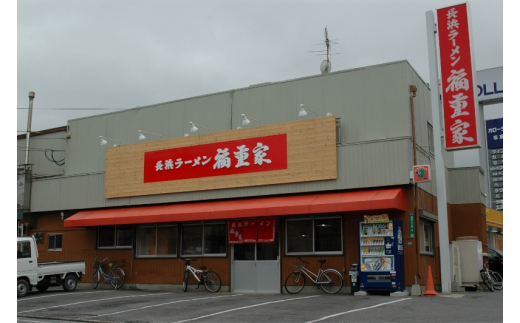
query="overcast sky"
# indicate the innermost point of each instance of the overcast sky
(86, 55)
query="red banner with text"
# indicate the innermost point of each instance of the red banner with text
(235, 232)
(266, 230)
(458, 81)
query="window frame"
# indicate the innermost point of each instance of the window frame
(314, 252)
(156, 227)
(431, 231)
(49, 235)
(430, 139)
(203, 254)
(115, 246)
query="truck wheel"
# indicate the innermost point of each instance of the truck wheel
(70, 283)
(23, 287)
(42, 288)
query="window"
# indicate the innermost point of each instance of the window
(156, 241)
(55, 242)
(204, 239)
(24, 249)
(314, 236)
(115, 236)
(430, 138)
(426, 232)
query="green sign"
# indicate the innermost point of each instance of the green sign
(412, 225)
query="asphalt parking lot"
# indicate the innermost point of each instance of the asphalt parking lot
(107, 305)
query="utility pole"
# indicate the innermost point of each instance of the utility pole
(440, 175)
(29, 120)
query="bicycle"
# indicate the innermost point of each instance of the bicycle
(329, 280)
(490, 277)
(208, 278)
(115, 275)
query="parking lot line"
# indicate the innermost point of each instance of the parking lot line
(244, 307)
(358, 309)
(94, 300)
(183, 300)
(63, 294)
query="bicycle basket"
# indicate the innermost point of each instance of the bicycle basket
(97, 264)
(295, 265)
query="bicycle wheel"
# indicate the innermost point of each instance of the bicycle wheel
(487, 280)
(95, 279)
(331, 281)
(294, 282)
(117, 278)
(498, 280)
(185, 280)
(212, 282)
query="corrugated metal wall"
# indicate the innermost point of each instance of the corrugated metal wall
(465, 185)
(372, 103)
(41, 166)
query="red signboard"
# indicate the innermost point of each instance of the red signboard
(251, 155)
(235, 232)
(266, 230)
(421, 173)
(458, 81)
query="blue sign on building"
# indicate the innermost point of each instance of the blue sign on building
(495, 133)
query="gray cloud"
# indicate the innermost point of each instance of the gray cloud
(123, 54)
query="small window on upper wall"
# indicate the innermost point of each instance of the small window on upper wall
(55, 241)
(426, 232)
(115, 236)
(430, 138)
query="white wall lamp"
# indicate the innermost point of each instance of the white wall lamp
(104, 141)
(194, 127)
(303, 112)
(246, 121)
(142, 137)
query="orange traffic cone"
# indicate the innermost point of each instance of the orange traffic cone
(429, 291)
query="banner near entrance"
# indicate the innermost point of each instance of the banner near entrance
(421, 173)
(290, 152)
(251, 231)
(457, 78)
(235, 232)
(266, 231)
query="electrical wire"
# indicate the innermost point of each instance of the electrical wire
(51, 158)
(69, 109)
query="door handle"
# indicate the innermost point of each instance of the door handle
(30, 262)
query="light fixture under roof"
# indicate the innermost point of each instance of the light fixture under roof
(142, 137)
(329, 114)
(303, 112)
(104, 140)
(246, 121)
(194, 127)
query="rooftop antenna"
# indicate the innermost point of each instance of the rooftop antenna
(326, 66)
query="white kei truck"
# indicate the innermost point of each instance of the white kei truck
(42, 275)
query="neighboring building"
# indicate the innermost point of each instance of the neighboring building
(139, 203)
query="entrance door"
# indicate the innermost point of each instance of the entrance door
(255, 267)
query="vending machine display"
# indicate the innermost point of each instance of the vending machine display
(381, 254)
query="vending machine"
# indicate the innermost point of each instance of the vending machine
(381, 255)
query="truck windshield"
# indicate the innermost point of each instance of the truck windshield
(24, 249)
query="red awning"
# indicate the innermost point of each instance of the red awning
(371, 200)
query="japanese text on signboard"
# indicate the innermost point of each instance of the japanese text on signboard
(217, 159)
(458, 86)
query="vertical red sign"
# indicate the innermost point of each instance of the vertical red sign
(457, 78)
(266, 230)
(235, 232)
(250, 230)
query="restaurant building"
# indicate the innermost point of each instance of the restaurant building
(296, 185)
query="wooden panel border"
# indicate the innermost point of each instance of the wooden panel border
(311, 156)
